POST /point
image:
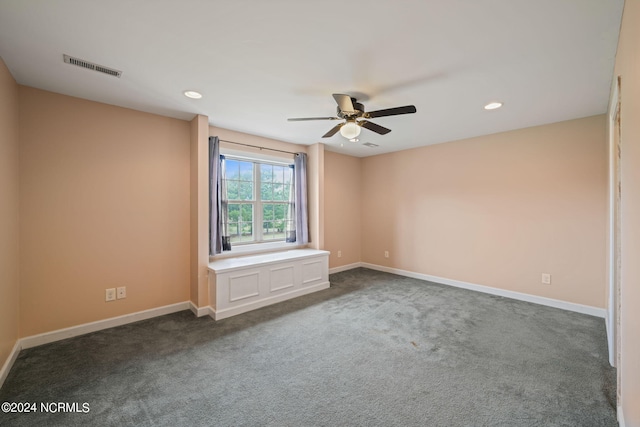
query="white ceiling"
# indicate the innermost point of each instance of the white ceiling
(259, 62)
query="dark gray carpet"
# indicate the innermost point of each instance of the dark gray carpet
(373, 350)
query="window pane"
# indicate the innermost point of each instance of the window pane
(246, 171)
(232, 190)
(273, 230)
(247, 232)
(234, 233)
(246, 190)
(279, 211)
(233, 212)
(278, 174)
(266, 191)
(267, 230)
(273, 225)
(266, 173)
(246, 213)
(232, 169)
(279, 193)
(288, 172)
(267, 212)
(266, 226)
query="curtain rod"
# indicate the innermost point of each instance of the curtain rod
(257, 146)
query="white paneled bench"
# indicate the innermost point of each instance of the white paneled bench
(238, 285)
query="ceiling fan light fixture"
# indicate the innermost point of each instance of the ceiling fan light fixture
(493, 106)
(350, 130)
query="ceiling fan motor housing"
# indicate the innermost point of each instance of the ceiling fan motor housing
(358, 107)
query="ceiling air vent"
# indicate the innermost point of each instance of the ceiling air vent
(369, 144)
(91, 66)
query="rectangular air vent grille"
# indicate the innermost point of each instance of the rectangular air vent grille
(369, 144)
(91, 66)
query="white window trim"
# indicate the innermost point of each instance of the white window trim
(256, 248)
(258, 220)
(253, 157)
(251, 248)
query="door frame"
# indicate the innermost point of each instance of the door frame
(613, 237)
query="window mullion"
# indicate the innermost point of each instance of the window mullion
(257, 206)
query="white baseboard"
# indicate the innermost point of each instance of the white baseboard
(200, 311)
(621, 417)
(15, 351)
(228, 312)
(345, 267)
(550, 302)
(74, 331)
(86, 328)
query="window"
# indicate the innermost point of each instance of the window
(258, 200)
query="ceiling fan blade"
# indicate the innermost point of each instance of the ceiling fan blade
(300, 119)
(407, 109)
(333, 130)
(344, 102)
(374, 127)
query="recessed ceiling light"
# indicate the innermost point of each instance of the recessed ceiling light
(493, 105)
(192, 94)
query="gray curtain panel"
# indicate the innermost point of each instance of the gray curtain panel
(300, 184)
(290, 223)
(215, 197)
(224, 206)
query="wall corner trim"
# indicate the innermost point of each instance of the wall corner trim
(345, 267)
(610, 338)
(201, 311)
(8, 364)
(549, 302)
(620, 414)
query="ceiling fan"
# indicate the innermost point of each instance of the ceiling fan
(352, 112)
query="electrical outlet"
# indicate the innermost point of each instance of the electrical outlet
(339, 254)
(110, 294)
(122, 292)
(546, 278)
(386, 254)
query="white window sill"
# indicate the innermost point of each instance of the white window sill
(257, 248)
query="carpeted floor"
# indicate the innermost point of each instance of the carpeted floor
(373, 350)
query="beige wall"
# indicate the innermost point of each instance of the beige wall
(342, 186)
(9, 202)
(497, 210)
(628, 67)
(104, 202)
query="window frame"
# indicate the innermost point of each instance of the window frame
(256, 201)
